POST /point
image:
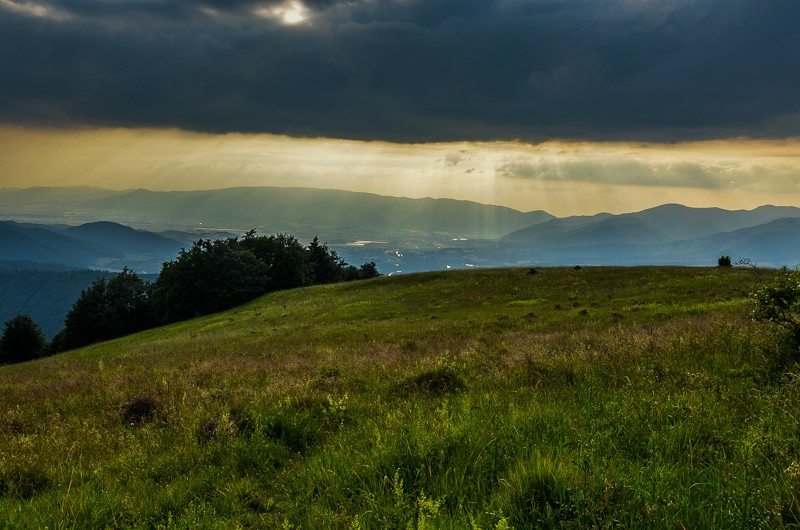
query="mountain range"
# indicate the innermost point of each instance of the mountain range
(668, 234)
(81, 227)
(102, 245)
(331, 214)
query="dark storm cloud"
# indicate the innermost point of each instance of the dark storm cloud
(408, 70)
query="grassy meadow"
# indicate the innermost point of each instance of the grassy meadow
(485, 399)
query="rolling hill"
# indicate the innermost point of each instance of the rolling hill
(607, 397)
(122, 240)
(40, 244)
(98, 245)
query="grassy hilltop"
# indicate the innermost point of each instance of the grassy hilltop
(606, 397)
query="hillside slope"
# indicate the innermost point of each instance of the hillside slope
(608, 397)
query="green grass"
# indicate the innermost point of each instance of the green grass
(600, 397)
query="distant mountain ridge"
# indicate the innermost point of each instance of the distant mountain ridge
(673, 220)
(667, 234)
(329, 212)
(100, 245)
(408, 235)
(40, 244)
(302, 211)
(122, 239)
(399, 234)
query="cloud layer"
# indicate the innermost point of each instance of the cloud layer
(408, 70)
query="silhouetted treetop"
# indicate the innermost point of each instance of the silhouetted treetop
(106, 310)
(22, 340)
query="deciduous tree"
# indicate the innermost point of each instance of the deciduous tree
(106, 310)
(285, 258)
(22, 340)
(209, 277)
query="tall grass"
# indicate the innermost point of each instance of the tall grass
(600, 397)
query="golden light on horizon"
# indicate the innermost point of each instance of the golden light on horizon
(561, 177)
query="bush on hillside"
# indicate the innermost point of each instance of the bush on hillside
(364, 272)
(22, 340)
(778, 302)
(141, 409)
(724, 261)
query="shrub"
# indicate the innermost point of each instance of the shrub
(437, 382)
(778, 302)
(140, 410)
(724, 261)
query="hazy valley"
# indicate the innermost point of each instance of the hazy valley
(398, 234)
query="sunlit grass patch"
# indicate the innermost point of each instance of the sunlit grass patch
(527, 303)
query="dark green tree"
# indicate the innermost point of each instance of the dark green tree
(368, 270)
(129, 303)
(209, 277)
(22, 340)
(106, 310)
(285, 258)
(326, 266)
(724, 261)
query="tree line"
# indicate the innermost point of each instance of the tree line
(211, 276)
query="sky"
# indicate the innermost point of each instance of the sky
(571, 106)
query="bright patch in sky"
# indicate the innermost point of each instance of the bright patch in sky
(33, 9)
(289, 13)
(563, 178)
